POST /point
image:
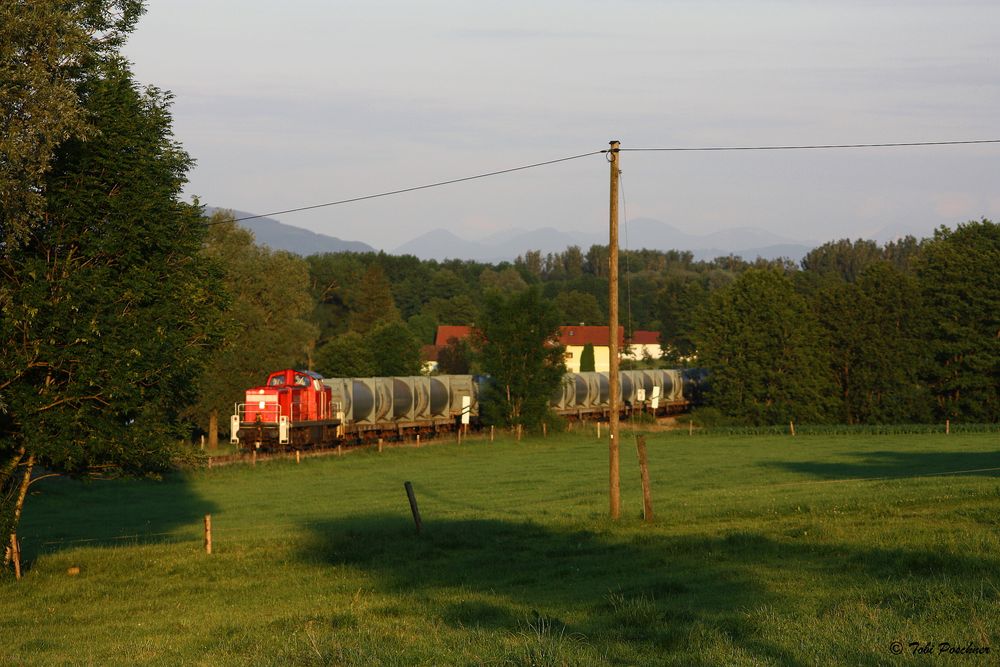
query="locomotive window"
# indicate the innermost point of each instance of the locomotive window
(276, 381)
(301, 380)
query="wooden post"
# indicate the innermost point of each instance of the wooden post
(15, 555)
(297, 455)
(491, 433)
(459, 434)
(647, 498)
(340, 450)
(545, 430)
(791, 428)
(418, 439)
(519, 431)
(413, 506)
(598, 430)
(691, 427)
(947, 427)
(213, 430)
(614, 492)
(255, 456)
(208, 534)
(380, 445)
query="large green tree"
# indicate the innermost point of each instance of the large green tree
(348, 355)
(876, 336)
(266, 323)
(958, 274)
(371, 301)
(108, 309)
(45, 49)
(762, 345)
(518, 346)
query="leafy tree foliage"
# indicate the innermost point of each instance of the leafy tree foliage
(45, 46)
(576, 307)
(762, 346)
(394, 349)
(587, 361)
(455, 357)
(876, 331)
(958, 273)
(347, 355)
(372, 301)
(517, 345)
(266, 322)
(842, 259)
(108, 311)
(678, 302)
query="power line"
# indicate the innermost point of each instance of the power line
(812, 146)
(422, 187)
(668, 149)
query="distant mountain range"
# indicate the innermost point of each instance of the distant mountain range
(279, 236)
(640, 233)
(747, 242)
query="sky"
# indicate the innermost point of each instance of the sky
(303, 102)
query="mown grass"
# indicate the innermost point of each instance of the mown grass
(819, 549)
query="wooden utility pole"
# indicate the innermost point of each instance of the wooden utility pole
(614, 487)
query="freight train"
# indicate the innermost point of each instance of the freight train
(301, 409)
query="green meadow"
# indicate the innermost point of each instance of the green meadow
(765, 550)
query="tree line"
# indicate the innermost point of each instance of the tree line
(857, 332)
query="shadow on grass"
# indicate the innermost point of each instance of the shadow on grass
(615, 588)
(62, 513)
(900, 464)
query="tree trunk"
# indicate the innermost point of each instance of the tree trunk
(23, 493)
(11, 500)
(213, 430)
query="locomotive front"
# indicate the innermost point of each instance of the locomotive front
(292, 409)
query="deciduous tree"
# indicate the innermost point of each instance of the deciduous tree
(958, 275)
(761, 343)
(518, 347)
(109, 310)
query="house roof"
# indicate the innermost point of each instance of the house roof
(569, 335)
(447, 332)
(645, 338)
(581, 335)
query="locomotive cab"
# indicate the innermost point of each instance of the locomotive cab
(291, 408)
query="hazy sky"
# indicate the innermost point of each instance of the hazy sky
(307, 101)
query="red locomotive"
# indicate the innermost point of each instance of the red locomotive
(293, 408)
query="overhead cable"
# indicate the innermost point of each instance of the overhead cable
(813, 146)
(422, 187)
(673, 149)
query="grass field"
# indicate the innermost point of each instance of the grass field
(769, 550)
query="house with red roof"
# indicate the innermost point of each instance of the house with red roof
(575, 338)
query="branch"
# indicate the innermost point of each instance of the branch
(41, 477)
(71, 399)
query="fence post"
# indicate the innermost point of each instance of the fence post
(791, 428)
(380, 445)
(413, 505)
(647, 497)
(297, 454)
(947, 427)
(491, 433)
(208, 534)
